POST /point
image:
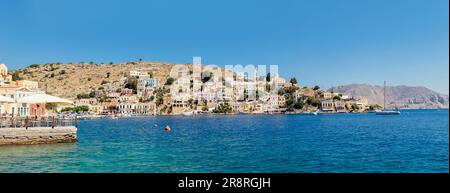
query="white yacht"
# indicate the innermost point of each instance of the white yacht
(384, 111)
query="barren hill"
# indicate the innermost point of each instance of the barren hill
(69, 80)
(399, 96)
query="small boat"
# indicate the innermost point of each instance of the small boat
(387, 112)
(308, 112)
(384, 111)
(188, 113)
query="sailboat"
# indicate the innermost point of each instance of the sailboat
(384, 111)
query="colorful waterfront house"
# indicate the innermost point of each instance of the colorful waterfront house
(95, 109)
(35, 109)
(144, 108)
(179, 106)
(108, 108)
(327, 106)
(326, 95)
(141, 82)
(340, 107)
(236, 106)
(16, 93)
(126, 108)
(146, 86)
(274, 101)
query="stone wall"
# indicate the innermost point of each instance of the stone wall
(38, 135)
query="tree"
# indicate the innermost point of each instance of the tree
(257, 94)
(16, 76)
(299, 105)
(355, 107)
(160, 96)
(281, 91)
(76, 109)
(316, 87)
(245, 94)
(206, 76)
(293, 80)
(131, 83)
(191, 102)
(374, 107)
(170, 81)
(92, 94)
(289, 101)
(268, 77)
(267, 88)
(223, 108)
(337, 98)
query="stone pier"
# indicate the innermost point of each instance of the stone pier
(38, 135)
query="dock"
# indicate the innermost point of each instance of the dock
(42, 130)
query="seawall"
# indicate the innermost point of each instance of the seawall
(38, 135)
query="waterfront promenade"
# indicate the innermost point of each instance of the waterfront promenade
(38, 130)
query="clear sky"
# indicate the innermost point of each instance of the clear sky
(321, 42)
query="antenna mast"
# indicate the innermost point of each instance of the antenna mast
(384, 98)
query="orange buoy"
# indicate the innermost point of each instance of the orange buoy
(167, 128)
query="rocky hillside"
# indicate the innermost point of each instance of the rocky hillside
(398, 96)
(69, 80)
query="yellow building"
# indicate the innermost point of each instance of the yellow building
(33, 85)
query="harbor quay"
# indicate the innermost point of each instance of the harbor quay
(37, 130)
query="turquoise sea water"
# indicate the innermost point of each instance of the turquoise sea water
(415, 141)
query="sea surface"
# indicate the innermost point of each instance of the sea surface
(415, 141)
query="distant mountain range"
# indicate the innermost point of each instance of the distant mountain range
(414, 97)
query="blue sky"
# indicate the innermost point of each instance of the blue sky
(321, 42)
